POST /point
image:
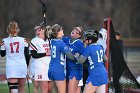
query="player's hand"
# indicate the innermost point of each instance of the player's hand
(77, 55)
(48, 53)
(28, 72)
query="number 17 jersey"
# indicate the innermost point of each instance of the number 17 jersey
(14, 47)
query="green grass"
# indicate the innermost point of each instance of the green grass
(4, 88)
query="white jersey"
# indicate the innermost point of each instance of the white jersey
(14, 47)
(40, 46)
(102, 41)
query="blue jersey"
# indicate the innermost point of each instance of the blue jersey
(95, 53)
(75, 46)
(58, 48)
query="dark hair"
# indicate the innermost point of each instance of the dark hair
(55, 29)
(91, 35)
(117, 33)
(42, 25)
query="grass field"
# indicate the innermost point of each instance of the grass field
(4, 88)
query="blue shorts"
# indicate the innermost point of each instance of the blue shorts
(77, 73)
(98, 80)
(56, 75)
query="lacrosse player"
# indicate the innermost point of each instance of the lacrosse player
(40, 52)
(15, 49)
(74, 70)
(58, 52)
(95, 54)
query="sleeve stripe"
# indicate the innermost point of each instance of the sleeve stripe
(32, 46)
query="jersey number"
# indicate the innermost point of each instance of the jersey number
(14, 45)
(53, 51)
(39, 76)
(100, 55)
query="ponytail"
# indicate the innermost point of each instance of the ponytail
(13, 28)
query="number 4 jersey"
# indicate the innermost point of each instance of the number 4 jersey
(14, 47)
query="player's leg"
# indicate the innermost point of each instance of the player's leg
(36, 86)
(50, 86)
(34, 77)
(44, 81)
(101, 89)
(74, 77)
(61, 86)
(89, 88)
(59, 80)
(21, 85)
(73, 85)
(13, 85)
(16, 84)
(102, 80)
(55, 87)
(80, 86)
(44, 86)
(78, 89)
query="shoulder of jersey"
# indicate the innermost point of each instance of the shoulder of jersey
(35, 39)
(21, 37)
(4, 39)
(79, 41)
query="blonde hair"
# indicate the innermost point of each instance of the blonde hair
(12, 28)
(48, 31)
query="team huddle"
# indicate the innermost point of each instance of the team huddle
(56, 61)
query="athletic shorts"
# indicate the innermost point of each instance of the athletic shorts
(97, 80)
(77, 73)
(56, 75)
(80, 82)
(18, 71)
(39, 74)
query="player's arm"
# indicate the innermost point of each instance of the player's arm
(70, 56)
(2, 51)
(105, 58)
(65, 49)
(27, 55)
(26, 52)
(34, 54)
(81, 59)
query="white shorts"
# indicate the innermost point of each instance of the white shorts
(18, 71)
(80, 82)
(39, 74)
